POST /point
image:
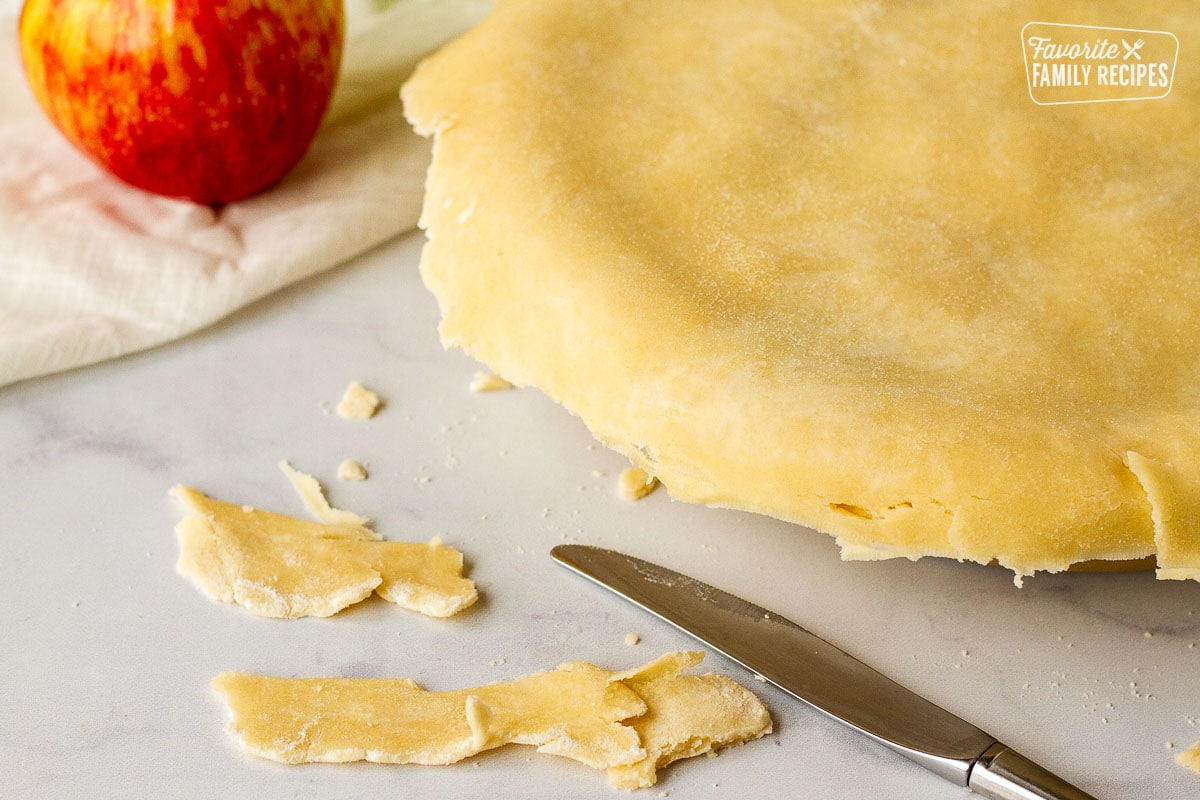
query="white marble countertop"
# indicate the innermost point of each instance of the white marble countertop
(107, 653)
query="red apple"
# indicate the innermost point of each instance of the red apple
(210, 100)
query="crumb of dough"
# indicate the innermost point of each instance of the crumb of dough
(350, 470)
(631, 723)
(1190, 758)
(631, 639)
(634, 484)
(314, 499)
(358, 402)
(278, 566)
(487, 382)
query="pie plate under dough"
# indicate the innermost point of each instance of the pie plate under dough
(828, 261)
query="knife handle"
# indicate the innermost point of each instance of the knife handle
(1002, 773)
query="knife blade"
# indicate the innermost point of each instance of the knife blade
(826, 678)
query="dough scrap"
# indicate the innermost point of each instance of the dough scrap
(358, 402)
(637, 720)
(350, 470)
(634, 484)
(314, 499)
(827, 261)
(688, 715)
(278, 566)
(488, 382)
(1174, 498)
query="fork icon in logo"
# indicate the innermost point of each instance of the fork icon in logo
(1132, 49)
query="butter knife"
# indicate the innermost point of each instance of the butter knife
(823, 676)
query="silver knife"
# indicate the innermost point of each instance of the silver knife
(833, 682)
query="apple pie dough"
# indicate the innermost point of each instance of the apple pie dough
(358, 402)
(487, 382)
(278, 566)
(314, 498)
(634, 484)
(350, 470)
(631, 723)
(828, 262)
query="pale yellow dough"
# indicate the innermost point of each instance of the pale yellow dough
(634, 484)
(277, 566)
(314, 498)
(350, 470)
(688, 715)
(487, 382)
(828, 262)
(358, 402)
(631, 722)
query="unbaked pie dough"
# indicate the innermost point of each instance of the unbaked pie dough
(278, 566)
(314, 498)
(828, 261)
(631, 723)
(634, 484)
(487, 382)
(350, 470)
(358, 402)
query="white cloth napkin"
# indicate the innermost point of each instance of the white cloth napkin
(91, 268)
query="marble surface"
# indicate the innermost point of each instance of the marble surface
(107, 653)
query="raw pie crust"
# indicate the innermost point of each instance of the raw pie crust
(631, 723)
(828, 262)
(278, 566)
